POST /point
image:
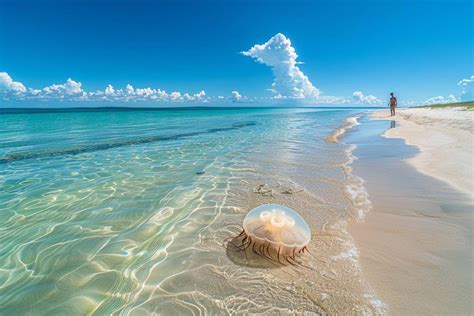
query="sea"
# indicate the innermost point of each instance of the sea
(125, 211)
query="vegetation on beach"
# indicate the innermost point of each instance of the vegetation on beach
(469, 105)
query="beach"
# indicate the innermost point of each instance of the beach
(444, 137)
(111, 211)
(416, 242)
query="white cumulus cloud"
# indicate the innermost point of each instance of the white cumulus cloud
(441, 100)
(70, 87)
(360, 98)
(235, 96)
(7, 83)
(467, 86)
(129, 90)
(289, 80)
(72, 91)
(109, 90)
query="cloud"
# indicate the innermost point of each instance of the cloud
(235, 96)
(360, 98)
(7, 83)
(289, 80)
(72, 90)
(129, 90)
(277, 53)
(70, 87)
(333, 100)
(467, 86)
(441, 100)
(199, 96)
(109, 90)
(142, 94)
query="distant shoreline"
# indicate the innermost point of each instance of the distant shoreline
(30, 110)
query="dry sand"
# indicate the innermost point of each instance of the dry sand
(416, 243)
(445, 139)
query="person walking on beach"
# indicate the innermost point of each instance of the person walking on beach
(393, 104)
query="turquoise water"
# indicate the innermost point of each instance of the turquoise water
(125, 211)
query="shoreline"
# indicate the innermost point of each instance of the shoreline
(161, 214)
(414, 244)
(444, 138)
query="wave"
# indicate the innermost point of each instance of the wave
(354, 190)
(336, 135)
(358, 196)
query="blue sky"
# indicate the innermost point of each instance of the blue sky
(418, 49)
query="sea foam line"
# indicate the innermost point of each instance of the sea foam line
(358, 196)
(354, 190)
(336, 135)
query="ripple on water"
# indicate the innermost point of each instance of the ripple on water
(92, 223)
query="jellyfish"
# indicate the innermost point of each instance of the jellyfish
(275, 232)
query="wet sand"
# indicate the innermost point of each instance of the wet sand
(416, 243)
(444, 137)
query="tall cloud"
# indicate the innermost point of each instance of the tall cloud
(7, 83)
(467, 86)
(289, 80)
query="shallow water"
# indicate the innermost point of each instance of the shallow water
(126, 211)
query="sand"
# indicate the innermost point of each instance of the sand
(444, 137)
(416, 243)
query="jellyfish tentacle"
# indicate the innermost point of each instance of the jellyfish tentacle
(258, 252)
(268, 249)
(236, 247)
(286, 258)
(264, 247)
(293, 261)
(246, 244)
(261, 249)
(242, 232)
(268, 256)
(250, 240)
(253, 248)
(274, 232)
(297, 261)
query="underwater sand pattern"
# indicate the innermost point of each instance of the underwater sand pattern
(138, 227)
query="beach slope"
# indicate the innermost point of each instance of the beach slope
(444, 136)
(416, 242)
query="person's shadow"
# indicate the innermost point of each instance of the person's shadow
(392, 124)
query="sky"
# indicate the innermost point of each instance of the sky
(153, 53)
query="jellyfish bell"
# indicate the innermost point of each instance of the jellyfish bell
(276, 232)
